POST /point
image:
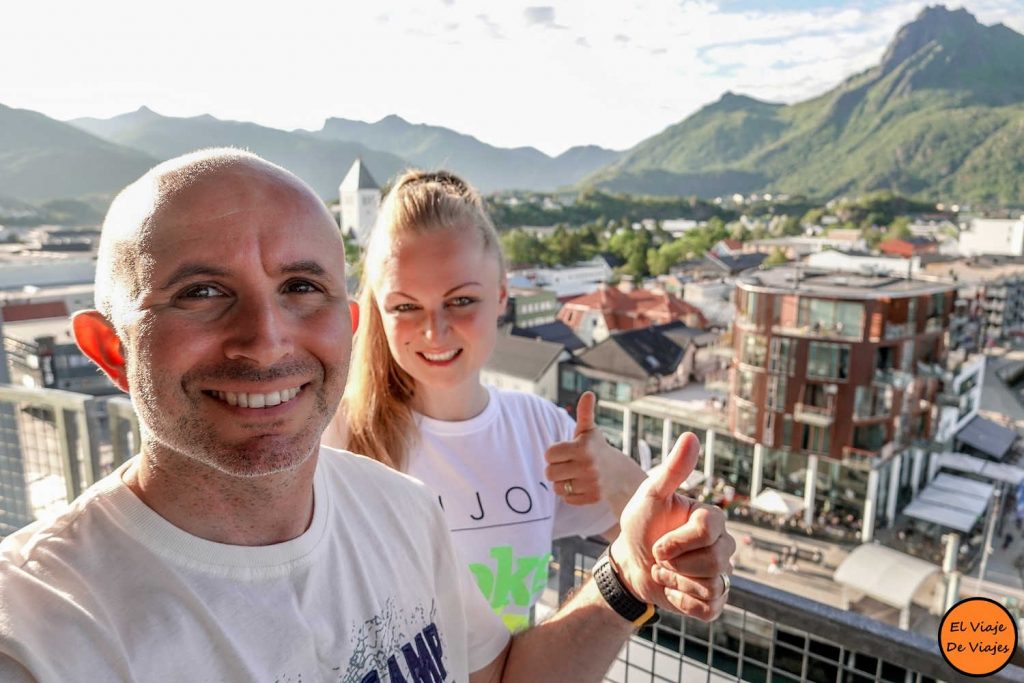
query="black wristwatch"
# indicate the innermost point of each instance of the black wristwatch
(618, 597)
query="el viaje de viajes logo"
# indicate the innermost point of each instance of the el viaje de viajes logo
(977, 636)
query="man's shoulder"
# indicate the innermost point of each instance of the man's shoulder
(48, 537)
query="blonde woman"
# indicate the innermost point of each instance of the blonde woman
(511, 470)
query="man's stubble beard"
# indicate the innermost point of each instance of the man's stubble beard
(193, 437)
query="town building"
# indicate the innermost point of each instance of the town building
(864, 263)
(907, 247)
(524, 364)
(530, 306)
(610, 309)
(556, 332)
(796, 247)
(832, 373)
(42, 354)
(1002, 236)
(567, 281)
(359, 201)
(990, 303)
(32, 302)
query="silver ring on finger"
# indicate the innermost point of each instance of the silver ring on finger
(568, 487)
(726, 583)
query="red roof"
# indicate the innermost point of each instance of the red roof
(13, 313)
(631, 310)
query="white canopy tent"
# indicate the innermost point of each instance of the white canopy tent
(777, 503)
(993, 471)
(886, 575)
(951, 501)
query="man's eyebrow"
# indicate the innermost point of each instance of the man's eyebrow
(189, 270)
(308, 267)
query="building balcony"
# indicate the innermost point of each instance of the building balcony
(814, 415)
(895, 378)
(898, 330)
(766, 634)
(859, 453)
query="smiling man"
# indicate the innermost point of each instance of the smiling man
(234, 547)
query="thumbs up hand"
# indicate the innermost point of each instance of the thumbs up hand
(588, 469)
(673, 551)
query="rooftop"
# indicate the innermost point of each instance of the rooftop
(30, 330)
(838, 285)
(523, 357)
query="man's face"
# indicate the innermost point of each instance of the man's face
(238, 348)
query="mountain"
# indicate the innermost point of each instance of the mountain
(321, 163)
(42, 159)
(942, 114)
(488, 167)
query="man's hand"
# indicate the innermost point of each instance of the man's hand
(588, 468)
(672, 550)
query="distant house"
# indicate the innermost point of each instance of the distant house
(359, 202)
(996, 236)
(728, 247)
(555, 332)
(628, 365)
(734, 264)
(863, 262)
(42, 353)
(611, 309)
(529, 306)
(565, 282)
(524, 364)
(907, 247)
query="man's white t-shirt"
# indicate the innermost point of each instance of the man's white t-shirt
(488, 474)
(372, 591)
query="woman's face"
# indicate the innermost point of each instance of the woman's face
(440, 294)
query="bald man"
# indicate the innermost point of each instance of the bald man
(233, 547)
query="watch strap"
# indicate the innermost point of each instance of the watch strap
(618, 597)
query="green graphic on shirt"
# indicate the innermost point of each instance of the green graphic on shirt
(511, 580)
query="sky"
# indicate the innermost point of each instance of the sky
(511, 73)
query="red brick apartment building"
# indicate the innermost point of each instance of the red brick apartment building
(836, 365)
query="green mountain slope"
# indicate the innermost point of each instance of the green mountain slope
(42, 159)
(321, 163)
(941, 114)
(488, 167)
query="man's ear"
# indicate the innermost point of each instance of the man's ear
(97, 339)
(353, 312)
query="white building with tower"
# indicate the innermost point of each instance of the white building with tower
(359, 201)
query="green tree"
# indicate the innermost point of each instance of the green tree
(521, 248)
(776, 258)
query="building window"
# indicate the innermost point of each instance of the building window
(568, 380)
(827, 316)
(869, 437)
(777, 392)
(872, 401)
(828, 361)
(746, 420)
(750, 306)
(787, 431)
(745, 385)
(754, 350)
(781, 358)
(815, 439)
